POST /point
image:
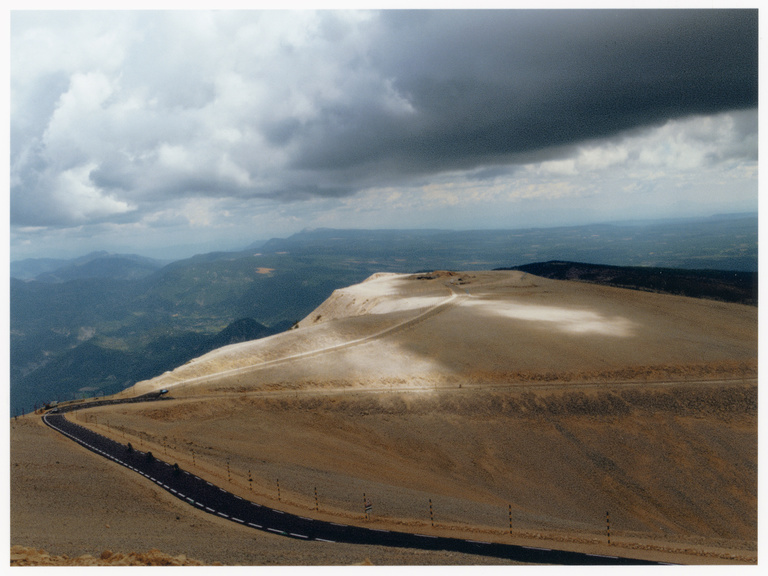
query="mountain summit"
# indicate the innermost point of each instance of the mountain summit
(442, 329)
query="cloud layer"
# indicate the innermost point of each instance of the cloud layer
(129, 121)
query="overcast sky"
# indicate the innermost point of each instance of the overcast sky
(170, 133)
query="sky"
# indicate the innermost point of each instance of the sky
(170, 133)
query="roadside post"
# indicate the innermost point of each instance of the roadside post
(431, 513)
(367, 506)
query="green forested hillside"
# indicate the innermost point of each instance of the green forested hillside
(99, 335)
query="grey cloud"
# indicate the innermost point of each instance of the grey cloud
(488, 85)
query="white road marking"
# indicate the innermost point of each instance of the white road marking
(238, 520)
(210, 509)
(254, 525)
(274, 530)
(324, 540)
(601, 556)
(298, 535)
(222, 514)
(426, 536)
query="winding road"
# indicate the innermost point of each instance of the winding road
(212, 499)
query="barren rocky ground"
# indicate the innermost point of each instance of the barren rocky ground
(67, 501)
(523, 408)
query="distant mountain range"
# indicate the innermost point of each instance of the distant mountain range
(99, 323)
(725, 242)
(94, 265)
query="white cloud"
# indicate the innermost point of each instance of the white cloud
(174, 157)
(75, 193)
(566, 167)
(600, 157)
(73, 130)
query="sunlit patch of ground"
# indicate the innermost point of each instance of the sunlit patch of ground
(558, 318)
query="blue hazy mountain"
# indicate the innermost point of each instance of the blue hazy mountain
(725, 242)
(98, 264)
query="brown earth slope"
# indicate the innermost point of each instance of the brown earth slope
(482, 327)
(65, 501)
(523, 408)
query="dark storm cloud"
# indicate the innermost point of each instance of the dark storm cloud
(485, 86)
(162, 117)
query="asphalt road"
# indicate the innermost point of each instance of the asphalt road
(212, 499)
